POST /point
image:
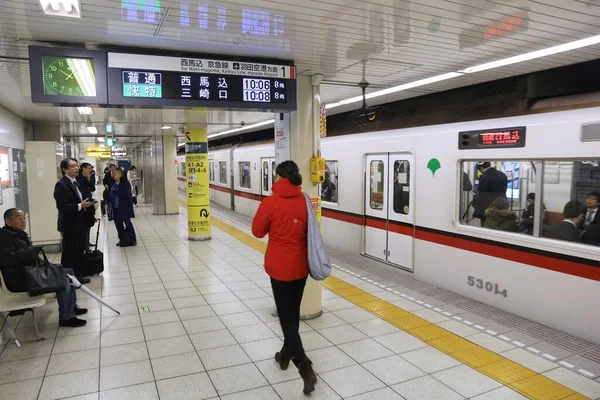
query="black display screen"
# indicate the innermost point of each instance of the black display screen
(163, 88)
(492, 138)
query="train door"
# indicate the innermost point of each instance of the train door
(389, 222)
(268, 175)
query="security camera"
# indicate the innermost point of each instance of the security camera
(242, 123)
(367, 115)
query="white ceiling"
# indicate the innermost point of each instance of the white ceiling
(397, 41)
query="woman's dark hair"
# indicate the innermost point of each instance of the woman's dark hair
(531, 196)
(289, 169)
(500, 204)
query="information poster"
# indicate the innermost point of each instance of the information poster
(197, 185)
(4, 168)
(282, 138)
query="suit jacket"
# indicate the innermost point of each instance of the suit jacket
(596, 219)
(122, 192)
(563, 231)
(591, 235)
(70, 219)
(84, 187)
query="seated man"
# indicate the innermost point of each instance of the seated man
(17, 252)
(568, 229)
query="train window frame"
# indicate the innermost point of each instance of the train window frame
(407, 208)
(241, 186)
(383, 199)
(221, 163)
(459, 212)
(337, 185)
(264, 174)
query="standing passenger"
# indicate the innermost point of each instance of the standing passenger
(284, 217)
(492, 184)
(592, 216)
(121, 210)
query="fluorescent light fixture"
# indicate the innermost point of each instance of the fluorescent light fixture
(398, 88)
(181, 145)
(100, 139)
(577, 44)
(61, 8)
(259, 124)
(92, 130)
(85, 110)
(166, 127)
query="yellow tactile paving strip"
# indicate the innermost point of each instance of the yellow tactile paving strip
(519, 378)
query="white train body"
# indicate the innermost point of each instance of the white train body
(552, 282)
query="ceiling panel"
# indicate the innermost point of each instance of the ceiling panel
(386, 42)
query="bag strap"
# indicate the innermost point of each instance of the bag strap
(44, 254)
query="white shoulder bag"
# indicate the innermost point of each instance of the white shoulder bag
(318, 261)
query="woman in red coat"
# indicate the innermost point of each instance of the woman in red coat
(284, 217)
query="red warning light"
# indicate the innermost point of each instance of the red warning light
(503, 27)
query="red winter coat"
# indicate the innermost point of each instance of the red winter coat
(284, 217)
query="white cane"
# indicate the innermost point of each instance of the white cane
(75, 282)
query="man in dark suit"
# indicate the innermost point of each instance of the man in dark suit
(71, 207)
(592, 216)
(492, 184)
(85, 185)
(568, 229)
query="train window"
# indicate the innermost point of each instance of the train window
(329, 188)
(570, 195)
(211, 172)
(401, 187)
(376, 185)
(223, 172)
(494, 194)
(245, 174)
(265, 169)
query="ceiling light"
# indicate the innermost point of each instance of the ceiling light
(535, 54)
(92, 130)
(245, 128)
(101, 140)
(85, 110)
(166, 127)
(395, 89)
(61, 8)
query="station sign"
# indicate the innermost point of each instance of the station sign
(199, 82)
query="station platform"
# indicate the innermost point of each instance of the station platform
(197, 323)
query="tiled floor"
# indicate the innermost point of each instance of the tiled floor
(210, 334)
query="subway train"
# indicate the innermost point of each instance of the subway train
(405, 197)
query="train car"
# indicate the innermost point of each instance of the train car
(403, 197)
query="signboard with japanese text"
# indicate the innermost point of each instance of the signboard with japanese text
(188, 82)
(197, 184)
(282, 138)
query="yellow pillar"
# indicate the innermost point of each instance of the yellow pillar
(304, 143)
(197, 189)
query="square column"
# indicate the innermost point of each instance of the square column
(297, 138)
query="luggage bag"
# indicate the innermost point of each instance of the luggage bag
(93, 260)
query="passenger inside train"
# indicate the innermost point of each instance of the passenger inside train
(569, 229)
(499, 216)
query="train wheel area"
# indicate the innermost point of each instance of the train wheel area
(372, 309)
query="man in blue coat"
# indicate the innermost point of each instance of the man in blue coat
(121, 209)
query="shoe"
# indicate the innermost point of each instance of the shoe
(308, 375)
(283, 358)
(133, 244)
(119, 244)
(72, 323)
(80, 311)
(83, 280)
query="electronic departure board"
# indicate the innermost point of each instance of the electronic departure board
(492, 138)
(200, 83)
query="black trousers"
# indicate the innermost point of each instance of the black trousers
(288, 296)
(74, 244)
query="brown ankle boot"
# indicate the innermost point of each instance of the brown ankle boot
(307, 374)
(283, 358)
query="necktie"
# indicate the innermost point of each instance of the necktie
(77, 189)
(590, 217)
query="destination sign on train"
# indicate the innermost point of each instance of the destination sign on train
(492, 138)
